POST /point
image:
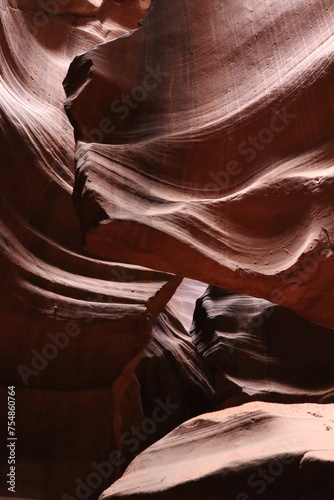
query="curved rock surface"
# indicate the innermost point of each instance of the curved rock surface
(243, 453)
(73, 327)
(171, 368)
(258, 351)
(209, 140)
(203, 148)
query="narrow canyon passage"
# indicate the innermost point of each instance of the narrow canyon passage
(166, 249)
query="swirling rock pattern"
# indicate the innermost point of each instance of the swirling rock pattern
(73, 327)
(258, 351)
(252, 451)
(204, 147)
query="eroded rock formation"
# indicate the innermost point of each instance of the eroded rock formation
(73, 327)
(258, 351)
(209, 141)
(202, 147)
(171, 368)
(258, 450)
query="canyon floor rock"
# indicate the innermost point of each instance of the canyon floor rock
(247, 452)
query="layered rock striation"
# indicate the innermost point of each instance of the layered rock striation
(258, 351)
(204, 147)
(258, 450)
